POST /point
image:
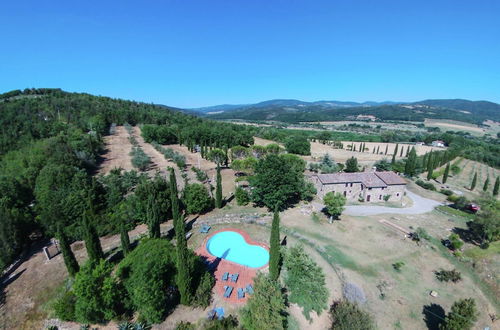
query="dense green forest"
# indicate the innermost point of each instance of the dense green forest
(476, 113)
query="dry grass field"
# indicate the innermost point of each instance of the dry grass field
(367, 158)
(462, 181)
(452, 125)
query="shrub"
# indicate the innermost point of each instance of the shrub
(426, 185)
(200, 175)
(139, 159)
(462, 316)
(446, 192)
(452, 198)
(455, 242)
(242, 196)
(97, 293)
(420, 234)
(398, 265)
(184, 326)
(299, 145)
(448, 275)
(227, 323)
(196, 198)
(64, 306)
(348, 316)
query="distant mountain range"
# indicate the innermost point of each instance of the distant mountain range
(289, 110)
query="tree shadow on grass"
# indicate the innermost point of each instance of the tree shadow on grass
(433, 316)
(465, 235)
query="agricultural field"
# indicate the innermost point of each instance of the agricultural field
(461, 182)
(367, 158)
(409, 126)
(452, 125)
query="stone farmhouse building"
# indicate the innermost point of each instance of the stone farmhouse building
(365, 186)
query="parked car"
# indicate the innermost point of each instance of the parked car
(473, 208)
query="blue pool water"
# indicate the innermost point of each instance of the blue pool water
(232, 246)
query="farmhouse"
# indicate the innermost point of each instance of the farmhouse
(438, 143)
(366, 186)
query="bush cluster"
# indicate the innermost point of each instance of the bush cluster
(426, 185)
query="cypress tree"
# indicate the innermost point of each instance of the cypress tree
(378, 149)
(68, 256)
(474, 181)
(274, 253)
(429, 172)
(402, 149)
(386, 149)
(218, 189)
(411, 162)
(90, 236)
(496, 186)
(394, 155)
(408, 151)
(124, 240)
(152, 215)
(354, 146)
(446, 173)
(373, 149)
(486, 184)
(183, 278)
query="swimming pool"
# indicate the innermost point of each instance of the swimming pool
(231, 246)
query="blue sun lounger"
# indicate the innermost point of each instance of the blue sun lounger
(225, 276)
(241, 293)
(234, 277)
(249, 289)
(229, 290)
(205, 229)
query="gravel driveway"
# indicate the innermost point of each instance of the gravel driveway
(420, 205)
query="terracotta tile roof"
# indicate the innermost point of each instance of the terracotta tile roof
(369, 179)
(390, 177)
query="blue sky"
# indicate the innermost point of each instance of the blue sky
(190, 53)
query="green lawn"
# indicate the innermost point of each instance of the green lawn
(478, 253)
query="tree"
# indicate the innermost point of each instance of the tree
(462, 316)
(196, 198)
(98, 295)
(90, 236)
(401, 154)
(394, 154)
(446, 172)
(218, 189)
(148, 273)
(496, 186)
(279, 180)
(486, 184)
(327, 165)
(334, 203)
(485, 227)
(351, 165)
(383, 165)
(218, 156)
(347, 316)
(299, 145)
(429, 169)
(386, 149)
(306, 281)
(275, 253)
(242, 196)
(184, 276)
(266, 308)
(378, 149)
(68, 256)
(474, 181)
(411, 163)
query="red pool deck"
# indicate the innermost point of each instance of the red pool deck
(246, 274)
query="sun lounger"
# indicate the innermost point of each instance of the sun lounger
(225, 276)
(211, 314)
(234, 277)
(228, 292)
(241, 293)
(205, 229)
(249, 289)
(220, 312)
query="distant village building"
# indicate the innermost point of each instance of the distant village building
(420, 143)
(366, 186)
(438, 143)
(366, 117)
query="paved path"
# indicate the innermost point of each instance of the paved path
(420, 205)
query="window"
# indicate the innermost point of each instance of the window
(368, 198)
(345, 193)
(397, 194)
(369, 188)
(346, 184)
(351, 184)
(380, 197)
(362, 187)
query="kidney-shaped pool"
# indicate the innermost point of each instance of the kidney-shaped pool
(231, 246)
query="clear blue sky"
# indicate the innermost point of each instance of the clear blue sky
(189, 53)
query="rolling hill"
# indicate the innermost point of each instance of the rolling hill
(299, 111)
